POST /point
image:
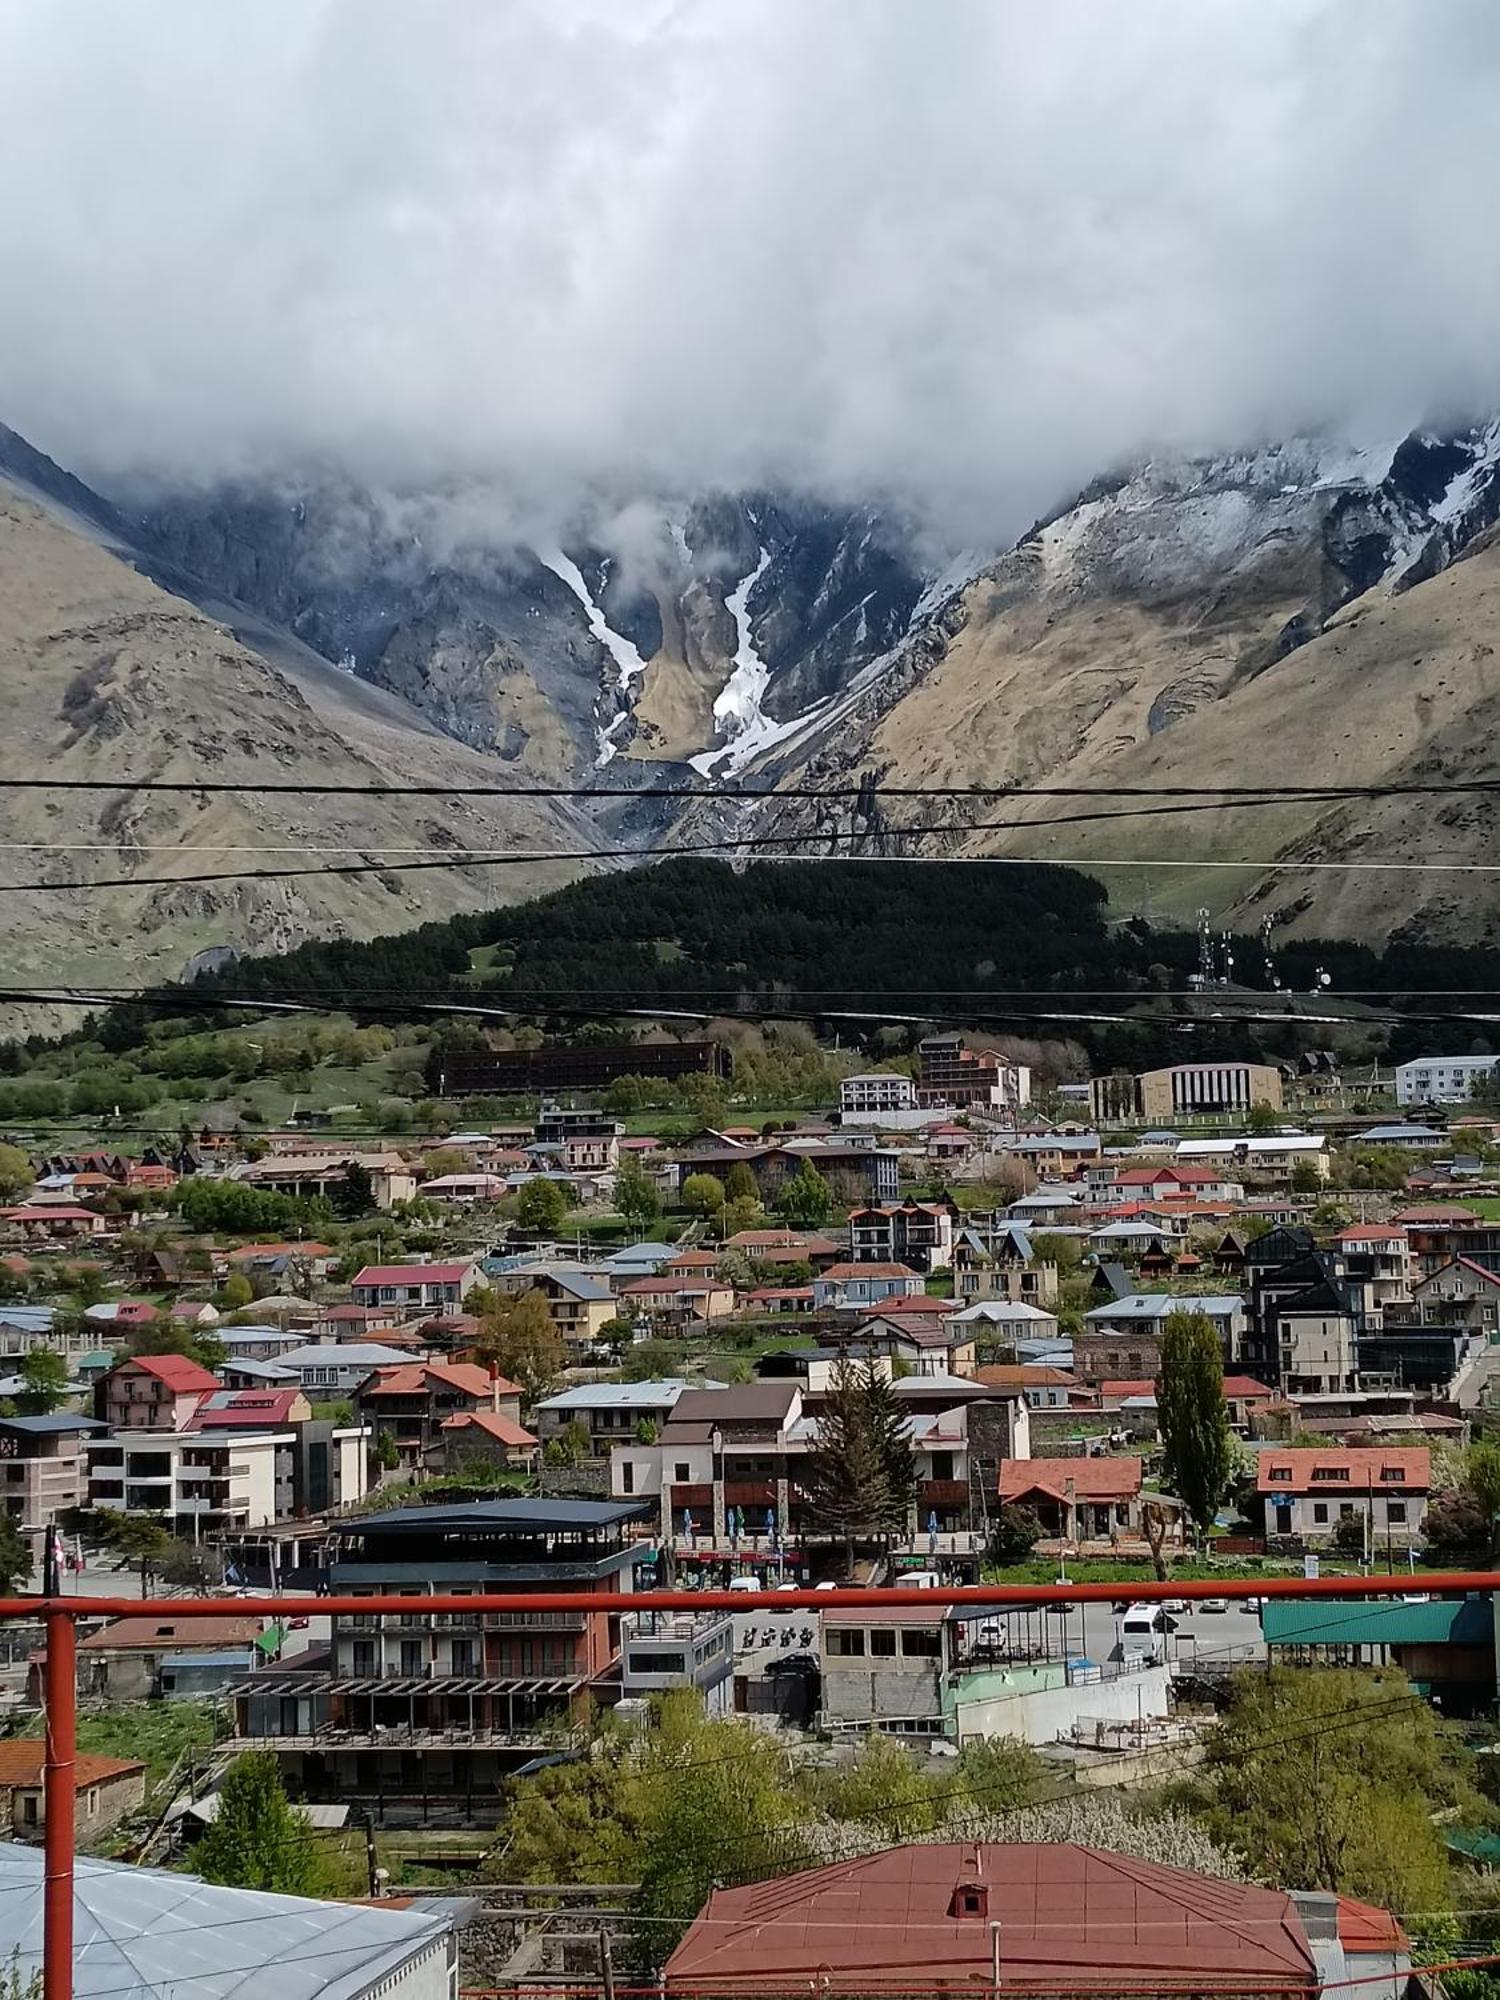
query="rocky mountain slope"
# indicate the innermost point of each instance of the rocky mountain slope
(107, 675)
(662, 633)
(1299, 615)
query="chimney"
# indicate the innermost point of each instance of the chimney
(971, 1896)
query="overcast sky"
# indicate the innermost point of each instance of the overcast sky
(970, 250)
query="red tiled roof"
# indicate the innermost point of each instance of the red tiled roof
(1070, 1919)
(1468, 1264)
(1364, 1465)
(465, 1376)
(1090, 1478)
(197, 1635)
(1023, 1375)
(176, 1370)
(247, 1409)
(1237, 1388)
(21, 1764)
(501, 1428)
(1368, 1232)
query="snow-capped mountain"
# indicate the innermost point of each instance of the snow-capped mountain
(670, 633)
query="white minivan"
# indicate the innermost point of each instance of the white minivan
(1144, 1628)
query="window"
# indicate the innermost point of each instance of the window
(1320, 1510)
(921, 1645)
(682, 1473)
(1395, 1513)
(1281, 1473)
(627, 1477)
(1394, 1473)
(846, 1645)
(1326, 1473)
(882, 1645)
(1346, 1510)
(942, 1465)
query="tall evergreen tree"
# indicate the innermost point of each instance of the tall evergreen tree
(861, 1477)
(1197, 1448)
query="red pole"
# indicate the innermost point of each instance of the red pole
(59, 1792)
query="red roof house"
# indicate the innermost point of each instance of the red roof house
(926, 1919)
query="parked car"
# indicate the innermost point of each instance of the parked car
(1213, 1604)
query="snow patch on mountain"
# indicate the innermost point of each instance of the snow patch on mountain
(1466, 486)
(737, 707)
(625, 656)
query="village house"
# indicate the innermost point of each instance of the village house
(1460, 1293)
(610, 1413)
(416, 1287)
(857, 1287)
(1064, 1919)
(876, 1091)
(952, 1075)
(1123, 1337)
(1056, 1156)
(109, 1789)
(677, 1302)
(1042, 1387)
(123, 1662)
(152, 1392)
(1084, 1499)
(786, 1246)
(1377, 1256)
(994, 1259)
(928, 1343)
(580, 1303)
(307, 1175)
(1306, 1493)
(1169, 1182)
(473, 1438)
(56, 1222)
(918, 1234)
(410, 1404)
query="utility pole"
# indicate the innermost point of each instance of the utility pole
(606, 1965)
(372, 1865)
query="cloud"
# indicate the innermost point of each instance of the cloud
(964, 252)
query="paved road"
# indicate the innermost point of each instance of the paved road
(1094, 1630)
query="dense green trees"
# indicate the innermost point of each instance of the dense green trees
(45, 1374)
(517, 1336)
(636, 1195)
(238, 1209)
(805, 1199)
(542, 1206)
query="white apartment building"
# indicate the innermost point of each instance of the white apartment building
(202, 1482)
(878, 1090)
(1441, 1079)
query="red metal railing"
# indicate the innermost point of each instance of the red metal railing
(60, 1614)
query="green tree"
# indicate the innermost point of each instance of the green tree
(384, 1451)
(353, 1194)
(1482, 1477)
(518, 1337)
(45, 1375)
(86, 1286)
(1015, 1533)
(542, 1206)
(1262, 1119)
(236, 1292)
(703, 1194)
(15, 1172)
(1305, 1178)
(15, 1556)
(1065, 1252)
(637, 1196)
(806, 1198)
(739, 1184)
(1197, 1445)
(995, 1774)
(883, 1788)
(862, 1475)
(1330, 1779)
(259, 1841)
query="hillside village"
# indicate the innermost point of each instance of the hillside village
(930, 1335)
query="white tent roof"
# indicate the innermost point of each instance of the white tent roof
(141, 1932)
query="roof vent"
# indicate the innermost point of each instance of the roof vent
(971, 1899)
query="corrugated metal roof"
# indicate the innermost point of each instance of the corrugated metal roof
(142, 1934)
(1453, 1621)
(1070, 1918)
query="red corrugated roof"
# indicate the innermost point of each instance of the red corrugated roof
(21, 1764)
(1071, 1919)
(465, 1376)
(1363, 1928)
(1091, 1478)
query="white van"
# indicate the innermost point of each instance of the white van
(918, 1579)
(1146, 1623)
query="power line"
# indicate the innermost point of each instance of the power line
(687, 794)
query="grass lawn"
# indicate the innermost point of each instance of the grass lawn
(1139, 1570)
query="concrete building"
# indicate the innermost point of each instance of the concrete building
(612, 1413)
(156, 1392)
(1186, 1090)
(662, 1650)
(197, 1483)
(307, 1175)
(337, 1370)
(411, 1404)
(1307, 1493)
(877, 1091)
(1122, 1338)
(918, 1234)
(1441, 1079)
(951, 1074)
(418, 1705)
(416, 1287)
(123, 1662)
(43, 1467)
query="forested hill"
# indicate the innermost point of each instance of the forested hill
(968, 943)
